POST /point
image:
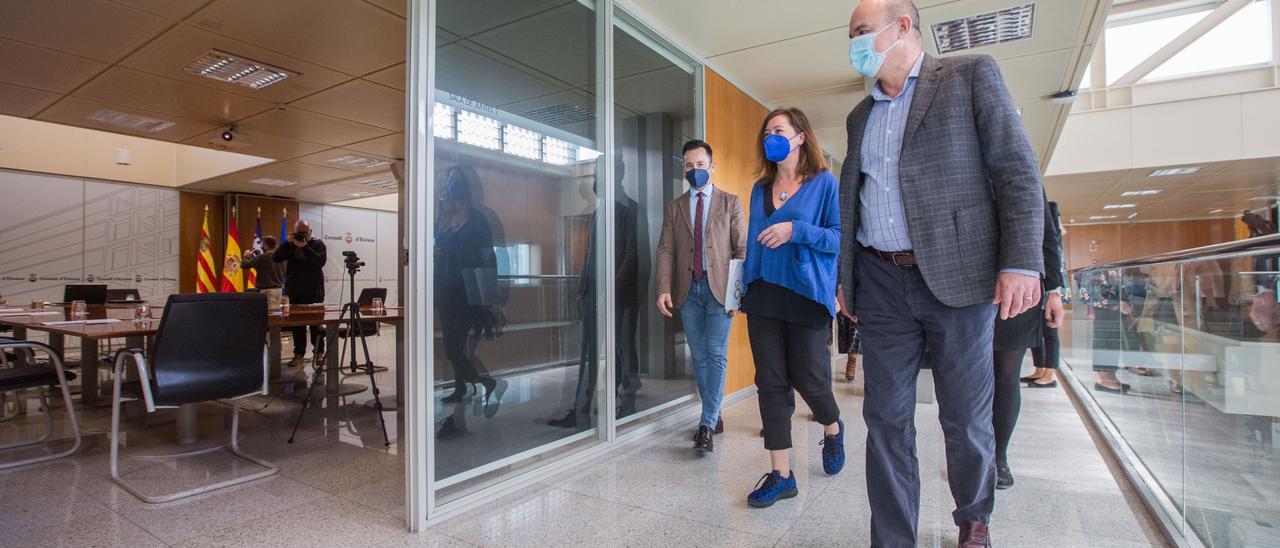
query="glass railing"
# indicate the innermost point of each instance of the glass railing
(1178, 358)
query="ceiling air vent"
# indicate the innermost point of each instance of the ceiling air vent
(383, 184)
(359, 162)
(995, 27)
(560, 115)
(130, 121)
(233, 69)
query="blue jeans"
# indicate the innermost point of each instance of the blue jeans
(706, 329)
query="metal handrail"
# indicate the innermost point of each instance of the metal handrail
(1209, 252)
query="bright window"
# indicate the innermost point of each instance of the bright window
(1243, 39)
(1127, 45)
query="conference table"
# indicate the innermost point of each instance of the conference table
(116, 321)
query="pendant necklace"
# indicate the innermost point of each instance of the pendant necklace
(784, 196)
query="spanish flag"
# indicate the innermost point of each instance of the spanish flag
(232, 279)
(204, 261)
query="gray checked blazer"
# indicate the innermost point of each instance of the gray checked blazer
(971, 186)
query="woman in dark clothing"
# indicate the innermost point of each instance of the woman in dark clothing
(464, 249)
(793, 241)
(1012, 339)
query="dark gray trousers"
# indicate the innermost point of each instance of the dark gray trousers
(899, 318)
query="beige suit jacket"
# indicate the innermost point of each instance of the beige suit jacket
(726, 239)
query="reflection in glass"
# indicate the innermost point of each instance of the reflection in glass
(516, 139)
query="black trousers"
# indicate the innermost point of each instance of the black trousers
(1048, 355)
(300, 333)
(1008, 399)
(456, 322)
(790, 358)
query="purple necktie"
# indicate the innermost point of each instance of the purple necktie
(698, 271)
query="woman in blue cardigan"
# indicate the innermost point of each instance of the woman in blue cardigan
(793, 242)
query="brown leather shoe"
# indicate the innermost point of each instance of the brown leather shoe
(702, 441)
(974, 534)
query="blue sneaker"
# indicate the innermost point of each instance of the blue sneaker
(771, 488)
(833, 451)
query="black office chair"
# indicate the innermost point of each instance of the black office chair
(208, 347)
(90, 294)
(39, 377)
(123, 295)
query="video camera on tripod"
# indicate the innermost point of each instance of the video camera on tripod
(352, 261)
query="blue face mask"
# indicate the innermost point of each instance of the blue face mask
(697, 178)
(777, 147)
(863, 55)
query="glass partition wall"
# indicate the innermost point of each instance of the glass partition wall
(548, 139)
(1180, 359)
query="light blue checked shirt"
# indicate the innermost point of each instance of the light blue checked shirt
(883, 221)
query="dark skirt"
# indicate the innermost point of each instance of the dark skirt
(1020, 332)
(849, 341)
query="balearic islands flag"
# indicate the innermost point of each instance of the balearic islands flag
(204, 261)
(232, 281)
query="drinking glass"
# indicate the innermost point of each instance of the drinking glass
(377, 305)
(79, 310)
(142, 311)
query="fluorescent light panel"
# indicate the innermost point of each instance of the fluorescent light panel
(1152, 192)
(233, 69)
(360, 162)
(1119, 206)
(1174, 171)
(1103, 217)
(384, 184)
(130, 121)
(272, 182)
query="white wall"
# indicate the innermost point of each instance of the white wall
(370, 233)
(56, 231)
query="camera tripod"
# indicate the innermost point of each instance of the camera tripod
(354, 322)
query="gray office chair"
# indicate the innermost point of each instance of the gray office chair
(208, 347)
(39, 377)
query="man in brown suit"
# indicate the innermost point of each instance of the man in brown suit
(702, 231)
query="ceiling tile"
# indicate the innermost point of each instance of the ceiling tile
(146, 91)
(76, 111)
(322, 159)
(1035, 76)
(467, 17)
(352, 37)
(398, 7)
(96, 29)
(256, 144)
(393, 77)
(478, 75)
(171, 52)
(390, 146)
(360, 101)
(716, 27)
(42, 68)
(171, 9)
(825, 65)
(24, 102)
(309, 126)
(558, 42)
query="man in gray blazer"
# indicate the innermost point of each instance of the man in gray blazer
(942, 206)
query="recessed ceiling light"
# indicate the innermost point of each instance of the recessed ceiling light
(1103, 217)
(1219, 210)
(359, 194)
(360, 162)
(130, 121)
(1119, 206)
(1151, 192)
(233, 69)
(985, 29)
(1174, 171)
(272, 182)
(379, 183)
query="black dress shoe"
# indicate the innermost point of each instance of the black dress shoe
(1050, 384)
(1004, 476)
(1027, 379)
(719, 425)
(702, 441)
(569, 420)
(1124, 388)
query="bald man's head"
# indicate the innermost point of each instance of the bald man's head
(878, 13)
(302, 226)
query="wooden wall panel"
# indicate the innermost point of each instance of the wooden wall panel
(733, 118)
(1101, 244)
(191, 206)
(246, 218)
